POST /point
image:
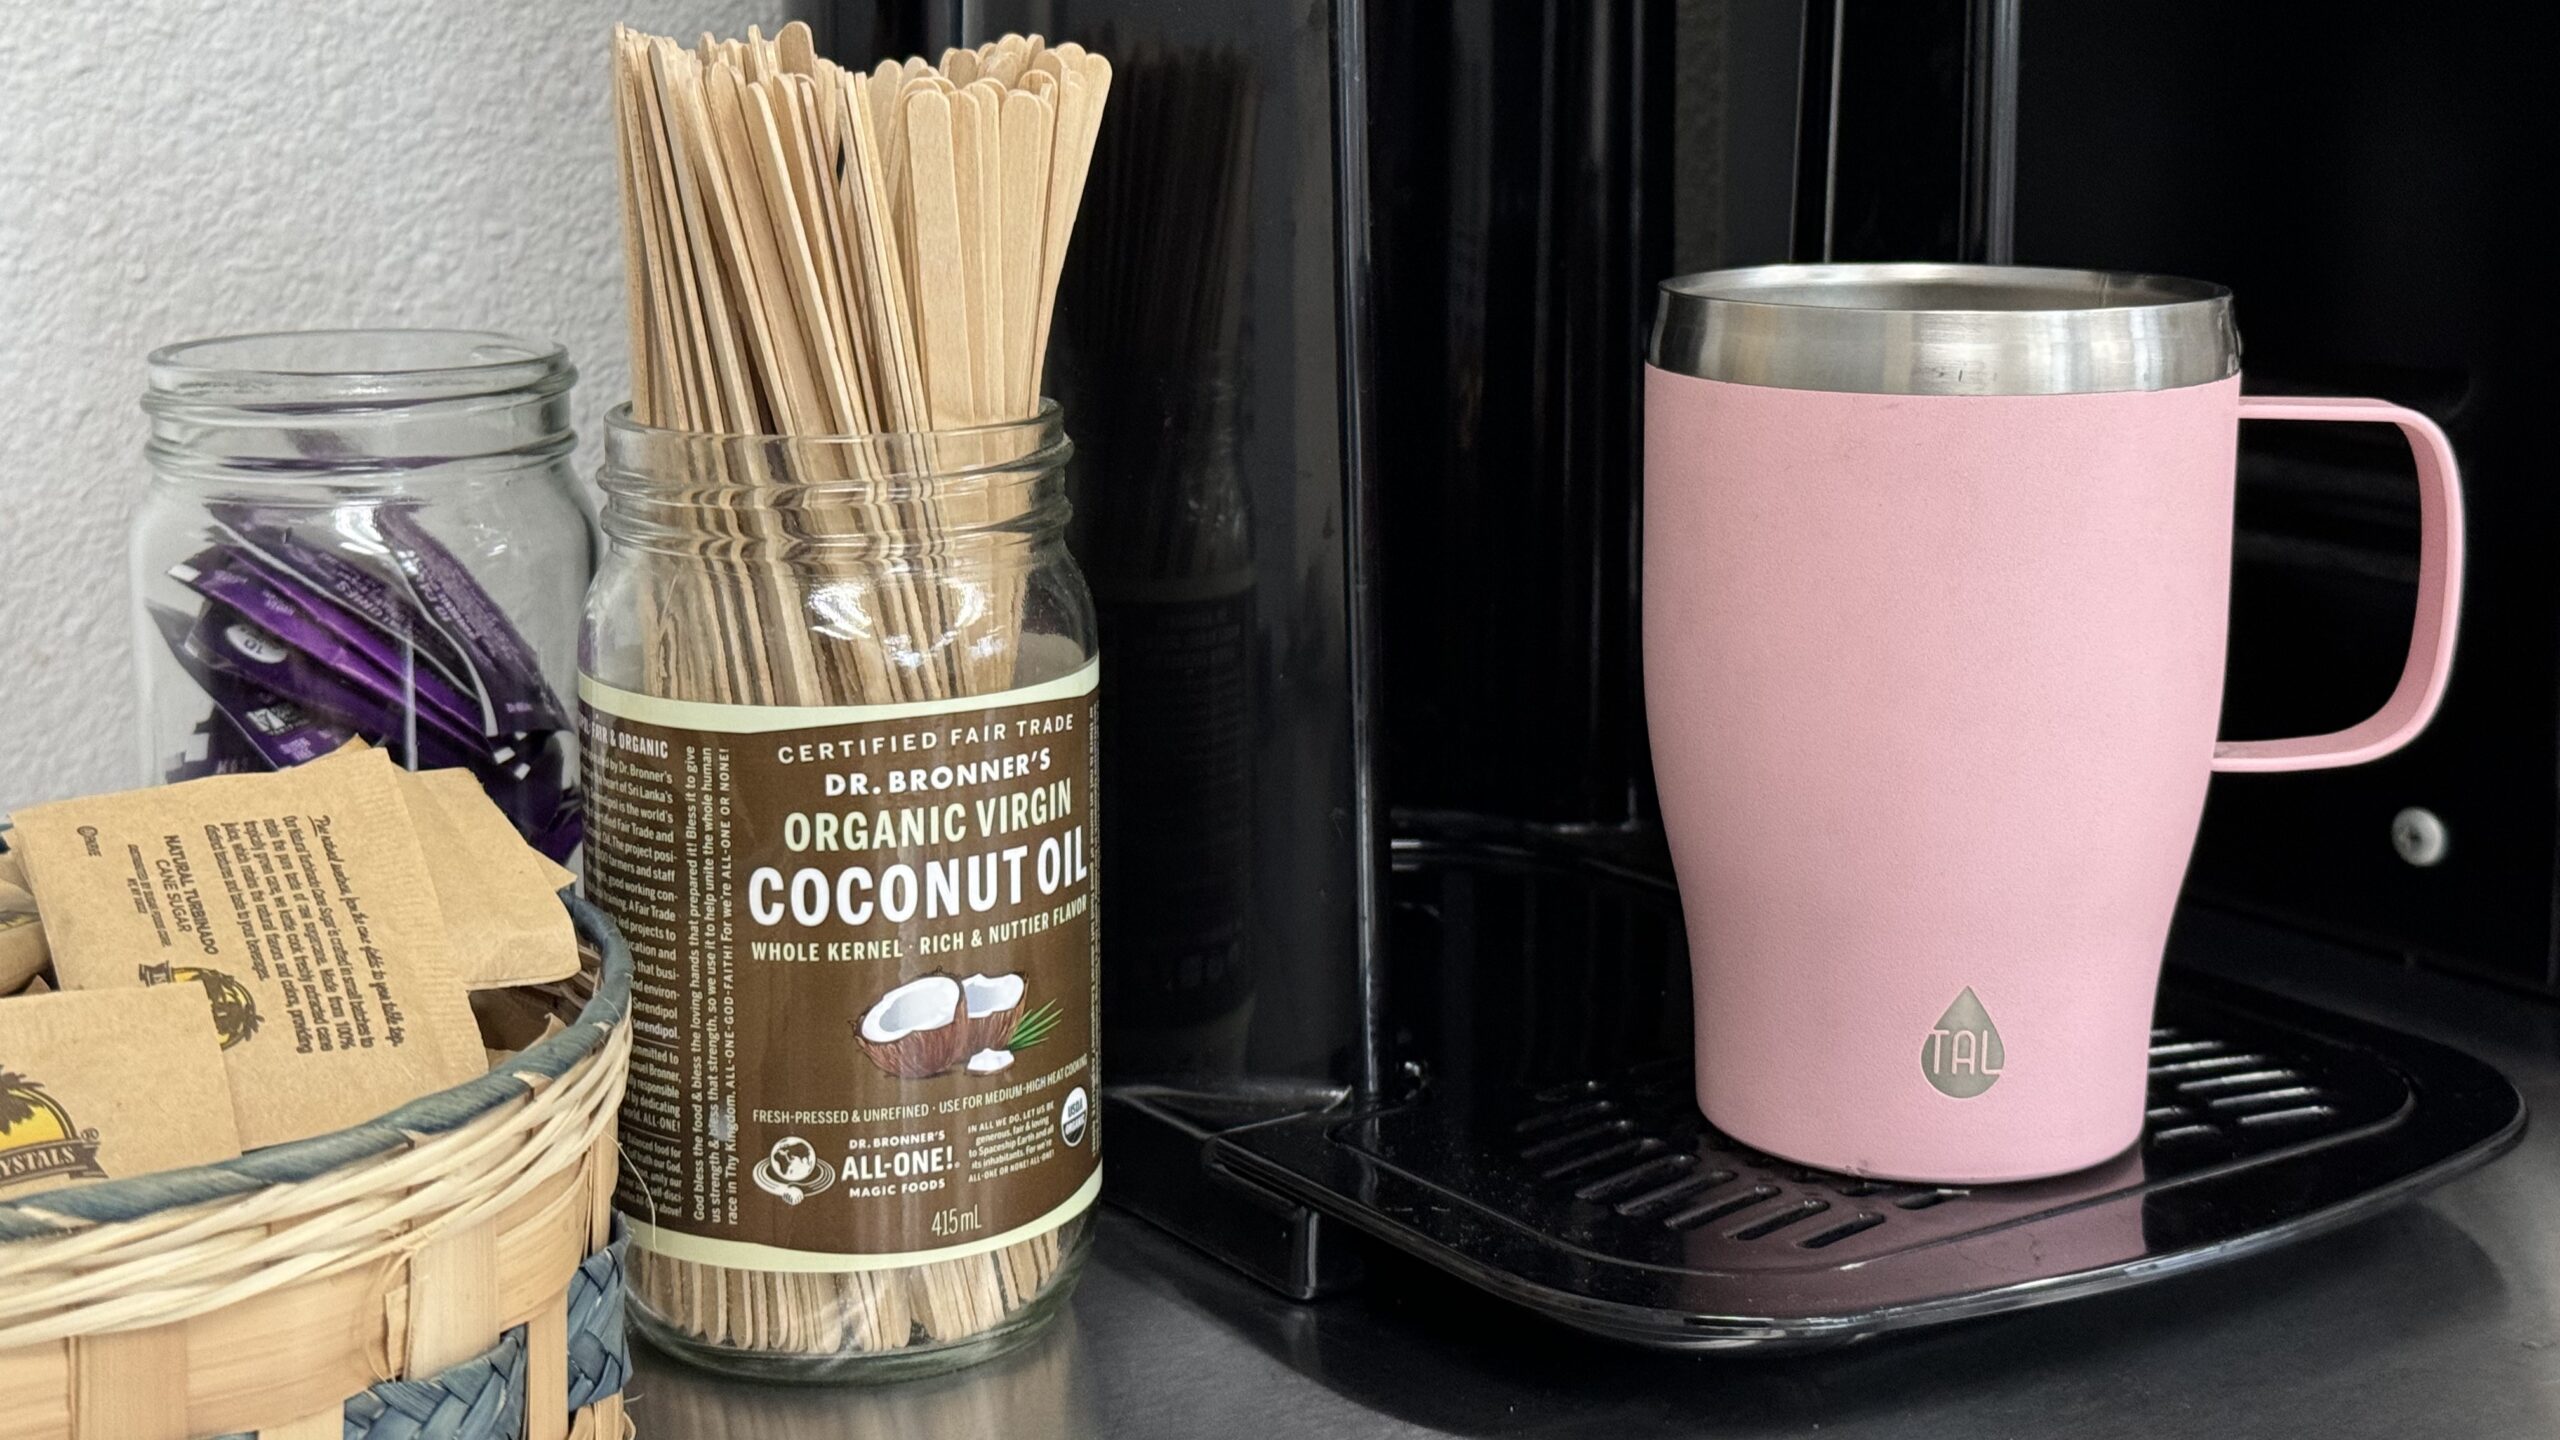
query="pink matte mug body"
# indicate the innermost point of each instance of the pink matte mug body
(1933, 682)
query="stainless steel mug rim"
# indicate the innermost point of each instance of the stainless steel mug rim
(1915, 329)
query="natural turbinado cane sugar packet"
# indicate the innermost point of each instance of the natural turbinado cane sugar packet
(22, 947)
(297, 903)
(74, 1105)
(500, 897)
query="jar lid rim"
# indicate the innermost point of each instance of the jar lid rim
(369, 367)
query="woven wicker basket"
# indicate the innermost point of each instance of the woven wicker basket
(447, 1272)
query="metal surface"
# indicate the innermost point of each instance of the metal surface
(1989, 231)
(1570, 1173)
(2439, 1318)
(1945, 329)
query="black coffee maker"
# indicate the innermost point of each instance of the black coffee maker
(1350, 347)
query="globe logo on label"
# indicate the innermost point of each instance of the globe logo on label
(1962, 1055)
(1071, 1116)
(793, 1171)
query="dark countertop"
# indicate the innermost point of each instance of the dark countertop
(2439, 1318)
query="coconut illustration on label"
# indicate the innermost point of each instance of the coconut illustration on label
(935, 1024)
(994, 1002)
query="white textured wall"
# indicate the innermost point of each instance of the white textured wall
(179, 168)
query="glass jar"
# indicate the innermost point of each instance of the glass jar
(370, 535)
(838, 706)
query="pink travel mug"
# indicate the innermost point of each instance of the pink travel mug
(1937, 566)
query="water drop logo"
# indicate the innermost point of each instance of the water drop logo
(1963, 1056)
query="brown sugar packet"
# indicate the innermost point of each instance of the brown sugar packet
(22, 947)
(297, 902)
(499, 896)
(103, 1086)
(512, 1019)
(23, 952)
(500, 1054)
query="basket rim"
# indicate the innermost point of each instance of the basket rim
(55, 1213)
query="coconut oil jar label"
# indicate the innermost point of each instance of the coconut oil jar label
(866, 950)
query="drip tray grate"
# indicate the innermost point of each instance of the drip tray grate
(1608, 1203)
(1637, 1146)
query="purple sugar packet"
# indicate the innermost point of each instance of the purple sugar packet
(373, 579)
(358, 654)
(226, 752)
(342, 587)
(422, 594)
(534, 796)
(562, 838)
(327, 575)
(255, 727)
(412, 650)
(226, 749)
(227, 642)
(334, 577)
(546, 808)
(444, 586)
(356, 694)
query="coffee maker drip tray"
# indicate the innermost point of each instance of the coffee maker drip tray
(1608, 1204)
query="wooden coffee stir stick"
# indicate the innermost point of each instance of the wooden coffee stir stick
(816, 252)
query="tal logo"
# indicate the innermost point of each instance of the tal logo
(1963, 1056)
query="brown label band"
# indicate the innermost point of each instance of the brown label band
(865, 949)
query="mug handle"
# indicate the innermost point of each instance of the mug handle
(2422, 680)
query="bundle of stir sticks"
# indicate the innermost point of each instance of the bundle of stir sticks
(816, 252)
(819, 252)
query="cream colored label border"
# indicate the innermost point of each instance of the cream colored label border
(719, 719)
(743, 1255)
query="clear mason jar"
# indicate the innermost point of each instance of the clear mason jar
(371, 535)
(847, 658)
